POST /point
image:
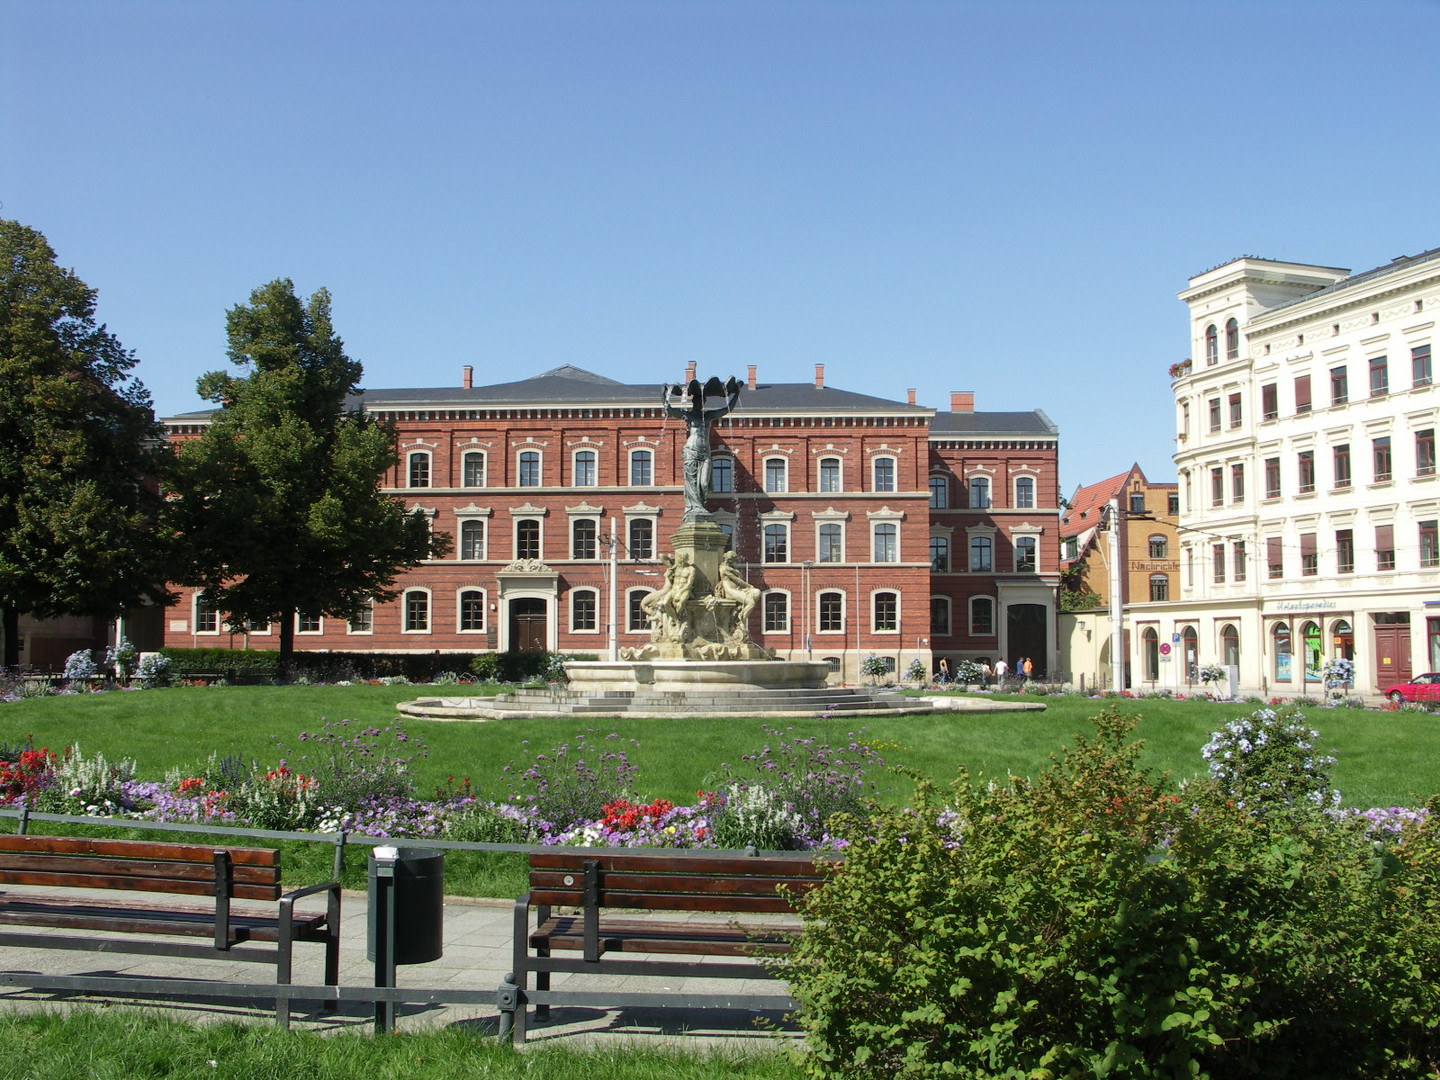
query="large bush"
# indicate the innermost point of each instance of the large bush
(1090, 924)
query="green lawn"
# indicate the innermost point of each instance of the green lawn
(1384, 758)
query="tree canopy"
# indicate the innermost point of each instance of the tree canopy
(77, 449)
(279, 509)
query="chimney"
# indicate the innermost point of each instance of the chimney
(962, 400)
(690, 372)
(469, 377)
(750, 381)
(911, 395)
(819, 376)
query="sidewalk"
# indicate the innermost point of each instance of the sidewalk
(477, 956)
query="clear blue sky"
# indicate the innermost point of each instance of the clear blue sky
(998, 197)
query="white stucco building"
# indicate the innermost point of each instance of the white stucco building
(1307, 468)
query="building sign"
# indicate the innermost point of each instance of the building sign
(1306, 605)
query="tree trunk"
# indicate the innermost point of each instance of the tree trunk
(287, 643)
(9, 638)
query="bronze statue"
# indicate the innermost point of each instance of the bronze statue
(698, 406)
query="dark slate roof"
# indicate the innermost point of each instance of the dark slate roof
(1361, 278)
(964, 424)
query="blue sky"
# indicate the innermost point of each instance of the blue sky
(997, 197)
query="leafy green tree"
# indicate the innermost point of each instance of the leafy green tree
(77, 450)
(279, 509)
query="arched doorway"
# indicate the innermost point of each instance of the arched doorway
(1282, 653)
(1151, 643)
(1230, 645)
(1025, 627)
(1190, 649)
(1314, 652)
(527, 624)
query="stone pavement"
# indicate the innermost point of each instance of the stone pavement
(477, 954)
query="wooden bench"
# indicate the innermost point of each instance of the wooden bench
(612, 889)
(132, 867)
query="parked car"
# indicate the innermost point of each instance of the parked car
(1421, 688)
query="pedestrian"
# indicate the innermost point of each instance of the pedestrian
(1001, 670)
(985, 674)
(1029, 669)
(944, 671)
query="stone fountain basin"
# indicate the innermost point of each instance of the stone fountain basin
(682, 676)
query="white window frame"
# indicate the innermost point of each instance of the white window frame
(949, 615)
(630, 602)
(575, 479)
(715, 459)
(784, 466)
(575, 594)
(820, 469)
(460, 610)
(319, 626)
(1015, 492)
(994, 616)
(520, 467)
(844, 610)
(875, 553)
(195, 605)
(369, 629)
(894, 464)
(469, 519)
(820, 526)
(765, 611)
(465, 456)
(1015, 545)
(405, 611)
(599, 546)
(515, 537)
(874, 620)
(765, 528)
(410, 456)
(632, 459)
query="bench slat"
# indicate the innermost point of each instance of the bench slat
(683, 884)
(120, 879)
(610, 898)
(148, 920)
(145, 849)
(701, 865)
(165, 869)
(707, 939)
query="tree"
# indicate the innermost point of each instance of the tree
(279, 509)
(77, 450)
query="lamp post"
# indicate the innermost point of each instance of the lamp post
(1117, 633)
(612, 607)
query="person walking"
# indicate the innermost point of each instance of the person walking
(1029, 668)
(1001, 670)
(985, 674)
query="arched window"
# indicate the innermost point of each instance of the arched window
(831, 610)
(775, 474)
(722, 474)
(1191, 653)
(884, 473)
(1026, 555)
(885, 608)
(1024, 492)
(979, 493)
(981, 549)
(1159, 546)
(831, 539)
(1151, 643)
(527, 538)
(777, 613)
(641, 472)
(1314, 652)
(472, 539)
(939, 554)
(1212, 345)
(583, 534)
(584, 468)
(777, 543)
(982, 616)
(939, 493)
(530, 468)
(1230, 645)
(830, 474)
(940, 616)
(473, 469)
(584, 611)
(642, 538)
(1232, 340)
(885, 546)
(1282, 652)
(419, 463)
(472, 611)
(417, 611)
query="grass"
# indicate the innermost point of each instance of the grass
(1384, 758)
(125, 1044)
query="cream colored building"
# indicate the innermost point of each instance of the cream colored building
(1307, 470)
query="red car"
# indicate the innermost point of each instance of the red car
(1421, 688)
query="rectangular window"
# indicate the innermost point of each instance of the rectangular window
(363, 621)
(583, 610)
(1235, 410)
(207, 616)
(1342, 465)
(1379, 376)
(1217, 486)
(472, 610)
(1137, 502)
(637, 619)
(585, 468)
(1237, 483)
(722, 474)
(1159, 587)
(307, 624)
(887, 543)
(1026, 555)
(1429, 545)
(776, 543)
(417, 611)
(832, 612)
(1384, 547)
(472, 539)
(1269, 401)
(777, 613)
(583, 539)
(1425, 452)
(774, 474)
(884, 474)
(527, 539)
(829, 474)
(640, 468)
(981, 551)
(832, 543)
(474, 470)
(1217, 559)
(419, 470)
(939, 555)
(979, 493)
(1339, 386)
(1307, 471)
(886, 612)
(530, 469)
(1420, 366)
(1345, 551)
(1274, 557)
(939, 493)
(1238, 550)
(642, 538)
(1382, 459)
(1309, 556)
(1173, 504)
(1302, 394)
(1025, 493)
(1272, 478)
(1214, 415)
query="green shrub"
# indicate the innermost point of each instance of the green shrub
(1087, 924)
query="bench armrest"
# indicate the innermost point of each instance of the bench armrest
(310, 890)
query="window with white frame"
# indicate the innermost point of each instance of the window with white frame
(307, 623)
(829, 474)
(885, 612)
(982, 616)
(982, 550)
(472, 468)
(776, 606)
(416, 605)
(207, 615)
(472, 539)
(529, 468)
(939, 554)
(979, 493)
(1024, 492)
(641, 533)
(777, 542)
(830, 611)
(722, 474)
(830, 543)
(939, 492)
(584, 611)
(584, 538)
(641, 468)
(883, 470)
(527, 538)
(776, 469)
(584, 468)
(1026, 548)
(363, 620)
(940, 616)
(472, 611)
(419, 469)
(636, 621)
(885, 542)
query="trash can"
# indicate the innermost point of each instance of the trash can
(408, 884)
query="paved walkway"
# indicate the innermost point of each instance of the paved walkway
(477, 955)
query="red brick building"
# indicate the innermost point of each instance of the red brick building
(869, 525)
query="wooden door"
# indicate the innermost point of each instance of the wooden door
(1392, 654)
